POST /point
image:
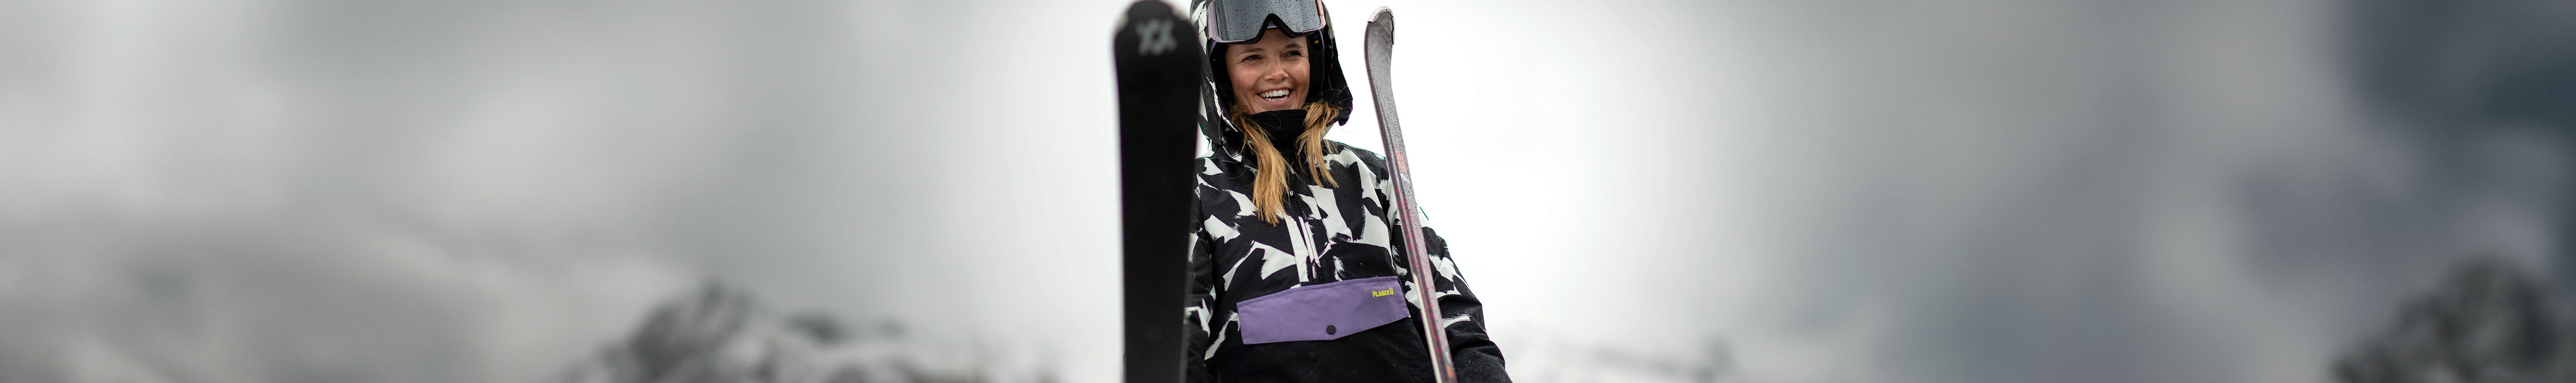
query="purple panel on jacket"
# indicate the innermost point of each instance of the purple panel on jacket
(1322, 312)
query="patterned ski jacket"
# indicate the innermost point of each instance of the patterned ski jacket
(1324, 295)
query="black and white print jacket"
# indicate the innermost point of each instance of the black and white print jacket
(1313, 298)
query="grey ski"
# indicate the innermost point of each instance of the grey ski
(1379, 49)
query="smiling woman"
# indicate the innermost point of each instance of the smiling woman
(1273, 72)
(1303, 282)
(1271, 77)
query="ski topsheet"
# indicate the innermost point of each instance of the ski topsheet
(1380, 49)
(1157, 55)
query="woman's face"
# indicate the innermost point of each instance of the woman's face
(1269, 74)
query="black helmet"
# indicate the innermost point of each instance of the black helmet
(1241, 22)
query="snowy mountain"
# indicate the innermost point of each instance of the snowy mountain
(2489, 322)
(720, 334)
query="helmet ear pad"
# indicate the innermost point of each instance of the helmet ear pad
(1325, 80)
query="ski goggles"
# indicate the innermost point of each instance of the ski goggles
(1238, 21)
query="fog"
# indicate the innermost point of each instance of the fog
(1827, 191)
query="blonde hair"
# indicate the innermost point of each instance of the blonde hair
(1270, 168)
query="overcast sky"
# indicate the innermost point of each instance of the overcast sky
(1815, 191)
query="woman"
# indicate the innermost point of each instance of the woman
(1297, 274)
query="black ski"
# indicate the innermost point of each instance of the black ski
(1380, 49)
(1157, 55)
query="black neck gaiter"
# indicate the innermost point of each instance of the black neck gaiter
(1283, 127)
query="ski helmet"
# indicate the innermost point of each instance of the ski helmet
(1242, 21)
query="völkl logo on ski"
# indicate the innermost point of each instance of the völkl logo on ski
(1153, 37)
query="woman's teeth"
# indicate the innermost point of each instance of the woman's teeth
(1275, 96)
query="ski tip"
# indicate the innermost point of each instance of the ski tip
(1382, 24)
(1150, 28)
(1142, 9)
(1145, 10)
(1154, 4)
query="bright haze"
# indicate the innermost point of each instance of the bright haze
(1822, 191)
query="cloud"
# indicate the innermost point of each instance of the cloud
(2040, 191)
(248, 300)
(487, 191)
(265, 191)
